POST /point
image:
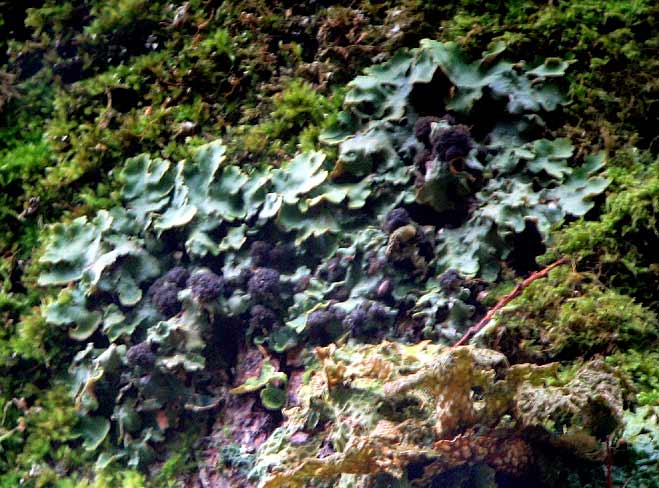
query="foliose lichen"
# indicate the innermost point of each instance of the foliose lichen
(308, 251)
(416, 412)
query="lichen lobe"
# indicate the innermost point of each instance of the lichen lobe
(374, 410)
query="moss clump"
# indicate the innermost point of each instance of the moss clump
(299, 113)
(570, 315)
(642, 366)
(120, 479)
(621, 245)
(40, 423)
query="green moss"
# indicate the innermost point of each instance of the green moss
(180, 461)
(299, 113)
(219, 43)
(570, 315)
(621, 245)
(118, 15)
(642, 366)
(41, 423)
(121, 479)
(24, 156)
(31, 338)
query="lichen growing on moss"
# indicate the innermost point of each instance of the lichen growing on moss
(149, 354)
(376, 410)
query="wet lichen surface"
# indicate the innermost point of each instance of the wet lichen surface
(240, 240)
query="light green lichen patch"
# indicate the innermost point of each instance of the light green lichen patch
(372, 411)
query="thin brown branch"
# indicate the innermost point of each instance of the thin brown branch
(609, 463)
(507, 299)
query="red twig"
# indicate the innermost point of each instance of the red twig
(507, 299)
(609, 463)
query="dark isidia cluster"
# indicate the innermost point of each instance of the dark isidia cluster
(164, 291)
(205, 286)
(141, 355)
(449, 144)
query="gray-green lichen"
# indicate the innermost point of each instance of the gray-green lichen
(308, 252)
(376, 410)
